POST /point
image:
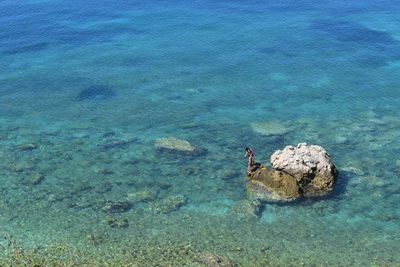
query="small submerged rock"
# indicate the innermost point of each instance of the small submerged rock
(213, 260)
(142, 196)
(116, 222)
(104, 171)
(116, 206)
(228, 174)
(247, 208)
(36, 178)
(191, 170)
(27, 147)
(119, 143)
(103, 187)
(354, 170)
(22, 166)
(270, 128)
(96, 238)
(173, 144)
(371, 180)
(168, 204)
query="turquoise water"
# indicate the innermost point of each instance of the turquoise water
(87, 87)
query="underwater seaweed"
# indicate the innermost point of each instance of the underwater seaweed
(96, 92)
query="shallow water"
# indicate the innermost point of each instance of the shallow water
(87, 88)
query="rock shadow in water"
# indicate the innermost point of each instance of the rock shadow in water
(375, 48)
(19, 47)
(348, 31)
(96, 92)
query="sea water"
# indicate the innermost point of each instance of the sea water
(87, 87)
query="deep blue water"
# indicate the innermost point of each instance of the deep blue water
(93, 84)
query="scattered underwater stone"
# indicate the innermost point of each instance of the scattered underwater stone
(247, 208)
(116, 206)
(103, 188)
(22, 166)
(116, 222)
(119, 143)
(81, 135)
(194, 90)
(278, 76)
(80, 188)
(227, 174)
(174, 144)
(191, 170)
(96, 238)
(27, 147)
(190, 125)
(80, 126)
(213, 260)
(371, 180)
(353, 170)
(35, 178)
(305, 170)
(340, 139)
(54, 198)
(168, 204)
(103, 171)
(109, 133)
(142, 196)
(270, 128)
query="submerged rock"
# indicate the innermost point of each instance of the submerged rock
(96, 238)
(35, 178)
(354, 170)
(228, 174)
(213, 260)
(173, 144)
(302, 171)
(247, 208)
(27, 147)
(116, 222)
(168, 204)
(116, 206)
(270, 128)
(142, 196)
(119, 143)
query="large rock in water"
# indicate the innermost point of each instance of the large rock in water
(305, 170)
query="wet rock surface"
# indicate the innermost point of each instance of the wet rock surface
(302, 171)
(272, 185)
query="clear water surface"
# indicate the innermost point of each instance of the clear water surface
(86, 87)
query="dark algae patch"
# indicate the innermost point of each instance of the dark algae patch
(96, 92)
(348, 31)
